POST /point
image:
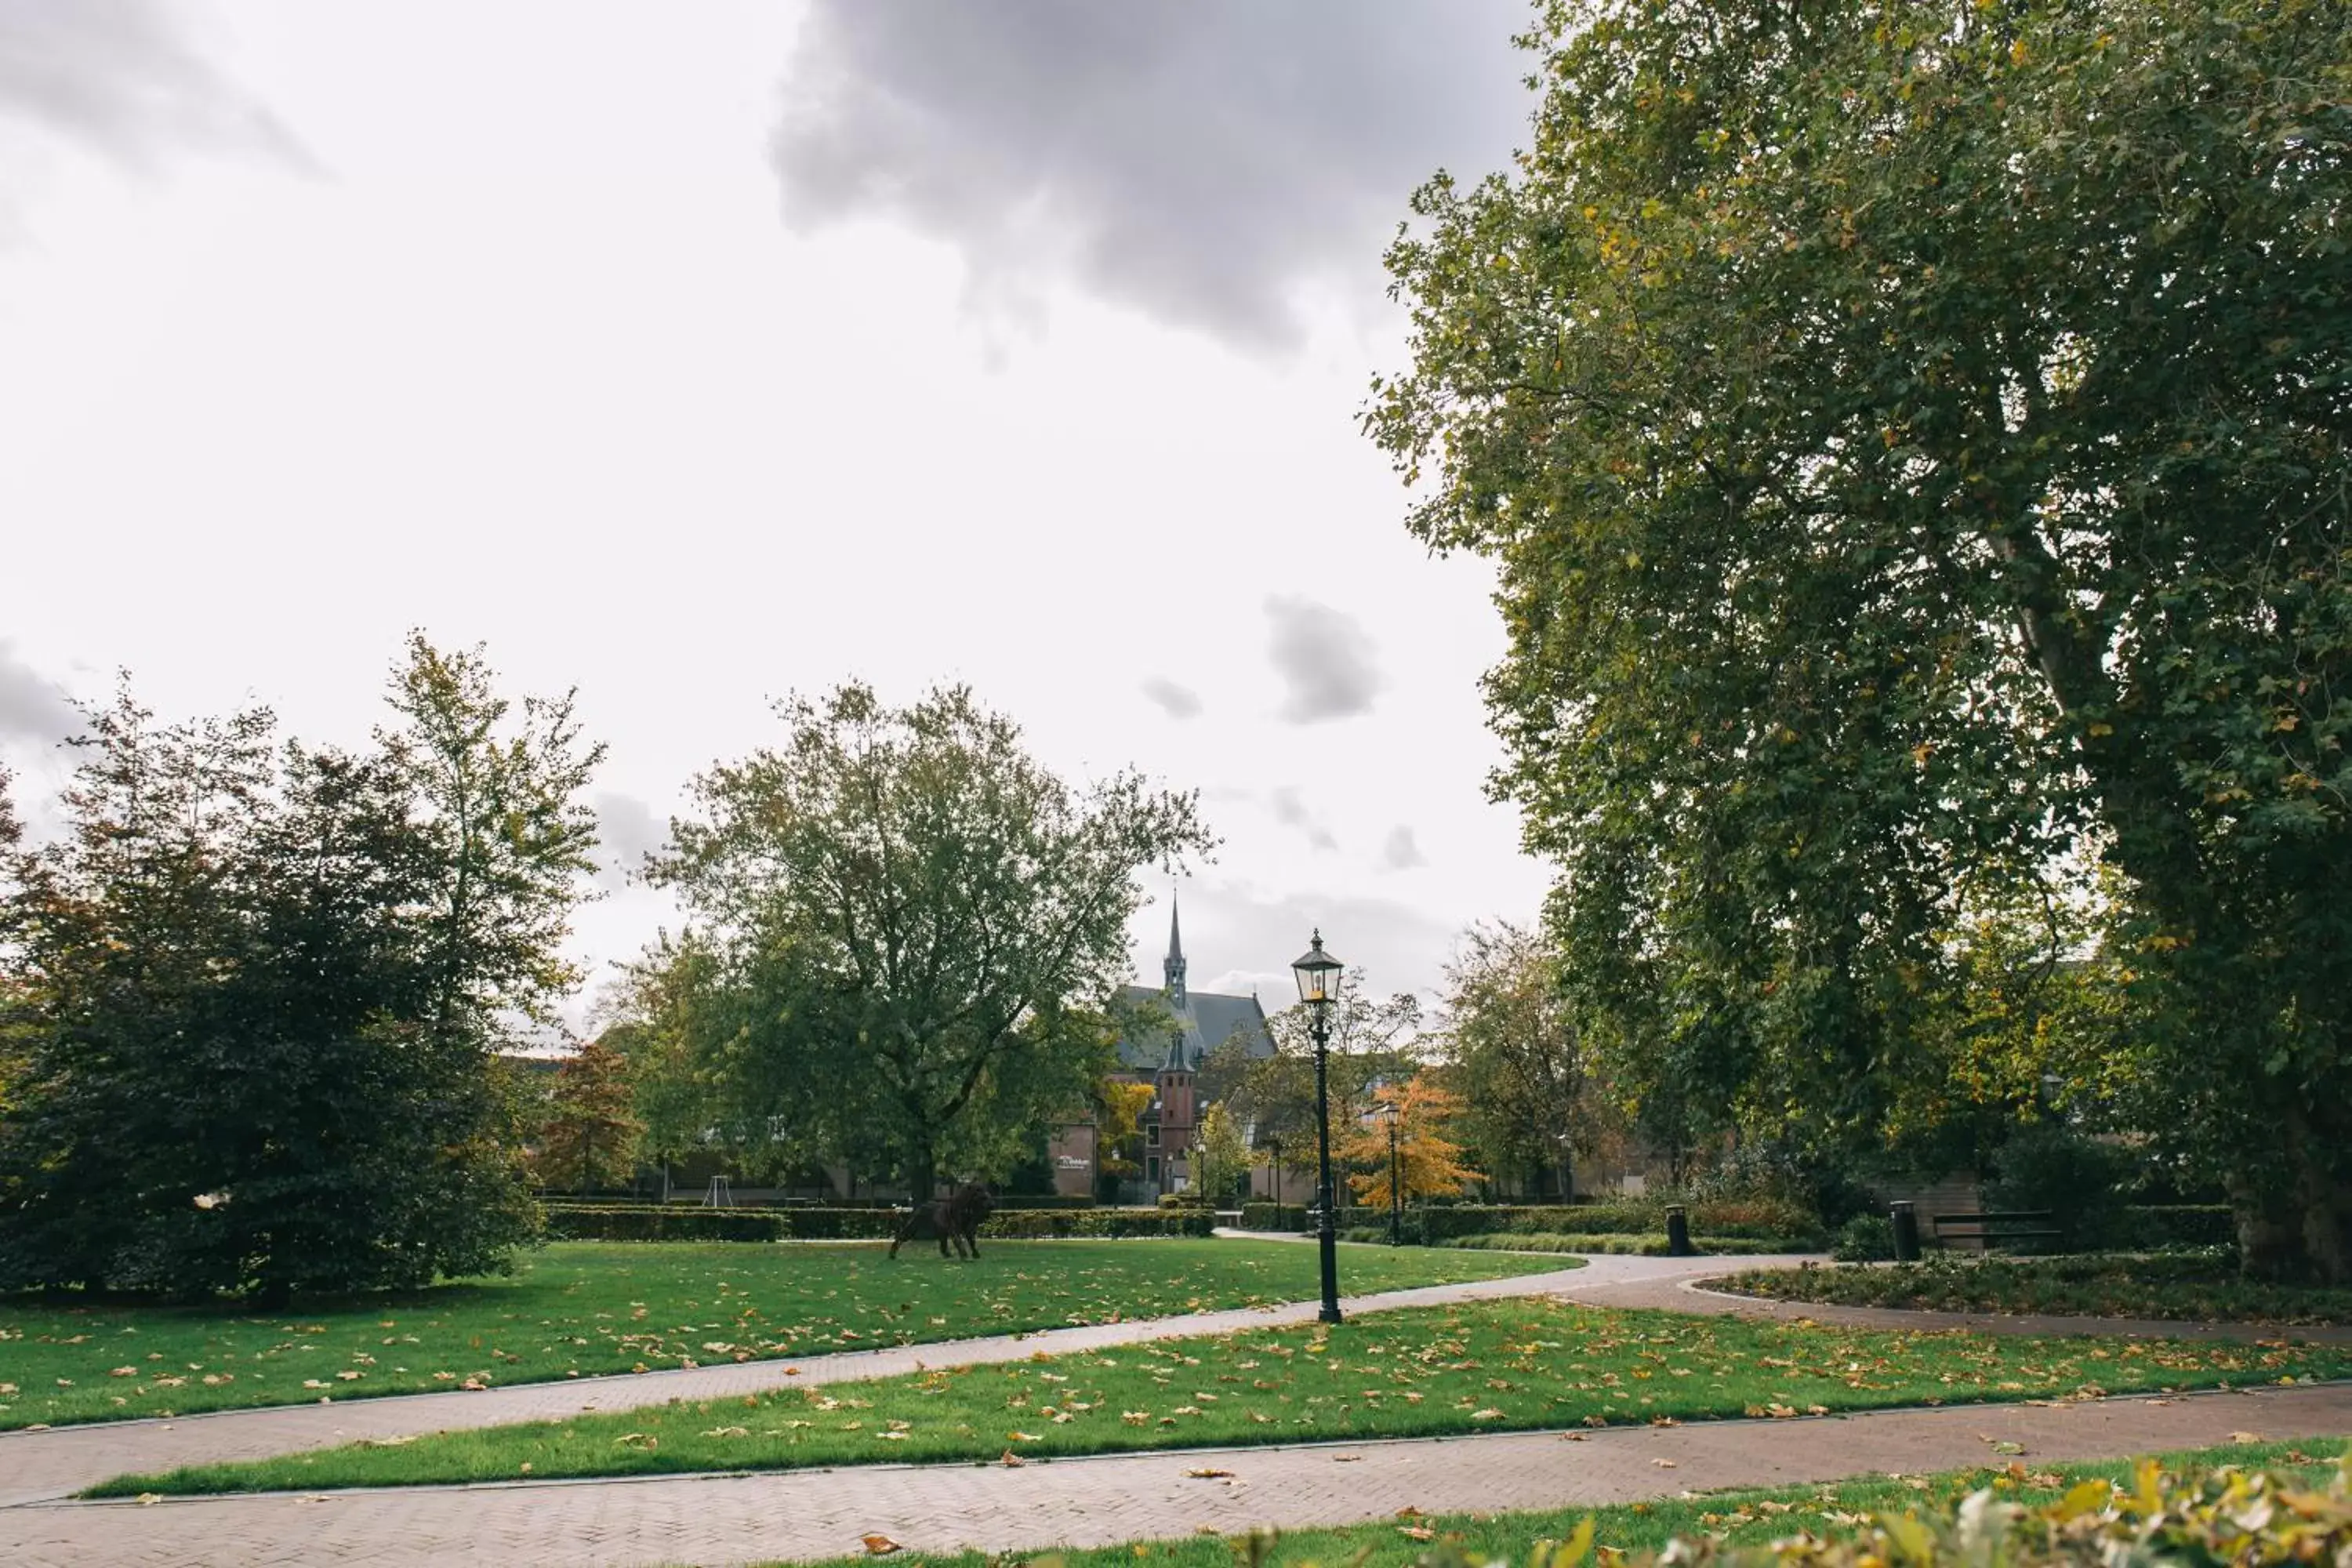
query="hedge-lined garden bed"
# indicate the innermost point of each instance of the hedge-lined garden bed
(578, 1222)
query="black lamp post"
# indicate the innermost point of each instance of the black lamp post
(1389, 1113)
(1318, 987)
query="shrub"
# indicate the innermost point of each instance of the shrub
(679, 1223)
(1865, 1239)
(1787, 1227)
(1619, 1244)
(2076, 1178)
(1264, 1215)
(2172, 1227)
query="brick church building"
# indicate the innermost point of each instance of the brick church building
(1168, 1057)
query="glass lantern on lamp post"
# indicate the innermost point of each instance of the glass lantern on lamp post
(1319, 988)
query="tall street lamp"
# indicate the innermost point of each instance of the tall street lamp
(1388, 1111)
(1319, 988)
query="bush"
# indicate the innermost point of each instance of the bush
(1865, 1239)
(1264, 1216)
(2076, 1178)
(2170, 1227)
(1619, 1243)
(1789, 1226)
(579, 1222)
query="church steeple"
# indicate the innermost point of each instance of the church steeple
(1173, 967)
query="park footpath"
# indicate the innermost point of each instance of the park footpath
(737, 1519)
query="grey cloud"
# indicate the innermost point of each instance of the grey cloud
(32, 707)
(1291, 811)
(627, 831)
(121, 77)
(1176, 702)
(1325, 659)
(1401, 853)
(1200, 161)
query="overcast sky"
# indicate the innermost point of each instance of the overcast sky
(695, 355)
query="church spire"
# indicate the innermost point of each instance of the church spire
(1173, 967)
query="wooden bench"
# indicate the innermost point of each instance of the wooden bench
(1990, 1231)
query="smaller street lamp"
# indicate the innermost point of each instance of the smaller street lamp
(1391, 1112)
(1319, 975)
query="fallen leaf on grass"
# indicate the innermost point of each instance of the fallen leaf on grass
(879, 1545)
(2245, 1437)
(1417, 1531)
(1023, 1436)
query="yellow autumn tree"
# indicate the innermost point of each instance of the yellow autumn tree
(1431, 1162)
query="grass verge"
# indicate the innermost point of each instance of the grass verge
(1481, 1367)
(580, 1309)
(1737, 1518)
(2201, 1287)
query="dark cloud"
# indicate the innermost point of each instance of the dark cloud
(1401, 853)
(32, 707)
(121, 78)
(1325, 660)
(1201, 159)
(1176, 702)
(1291, 812)
(627, 831)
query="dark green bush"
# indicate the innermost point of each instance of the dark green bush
(682, 1223)
(1789, 1226)
(1865, 1239)
(2168, 1227)
(2075, 1177)
(1264, 1215)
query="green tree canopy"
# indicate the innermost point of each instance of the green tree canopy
(259, 1054)
(1514, 1055)
(918, 927)
(1913, 441)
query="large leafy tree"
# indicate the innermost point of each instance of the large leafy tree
(251, 1063)
(1914, 440)
(918, 927)
(1513, 1053)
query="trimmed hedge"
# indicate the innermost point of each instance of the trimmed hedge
(1263, 1215)
(2154, 1227)
(584, 1222)
(1785, 1225)
(1621, 1244)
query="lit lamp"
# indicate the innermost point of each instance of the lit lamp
(1319, 988)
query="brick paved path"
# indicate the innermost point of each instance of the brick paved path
(1087, 1502)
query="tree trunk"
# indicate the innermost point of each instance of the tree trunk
(922, 1175)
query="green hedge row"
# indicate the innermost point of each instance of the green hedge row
(1787, 1227)
(1642, 1246)
(579, 1222)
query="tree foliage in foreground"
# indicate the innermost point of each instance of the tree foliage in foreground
(915, 929)
(261, 990)
(1913, 441)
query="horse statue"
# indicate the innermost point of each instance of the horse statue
(954, 1218)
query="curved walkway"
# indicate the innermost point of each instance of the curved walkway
(712, 1520)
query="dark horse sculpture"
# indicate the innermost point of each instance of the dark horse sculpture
(955, 1218)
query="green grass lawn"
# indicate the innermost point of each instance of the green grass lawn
(1741, 1518)
(1483, 1366)
(2192, 1287)
(578, 1308)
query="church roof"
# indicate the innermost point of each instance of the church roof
(1207, 1021)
